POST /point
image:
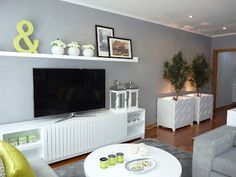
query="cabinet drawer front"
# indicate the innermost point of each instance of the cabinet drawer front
(74, 136)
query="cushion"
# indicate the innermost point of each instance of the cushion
(225, 163)
(16, 164)
(235, 140)
(216, 174)
(2, 169)
(41, 168)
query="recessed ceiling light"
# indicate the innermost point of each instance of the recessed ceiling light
(190, 16)
(224, 28)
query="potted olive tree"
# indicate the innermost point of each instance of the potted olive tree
(175, 112)
(176, 72)
(200, 75)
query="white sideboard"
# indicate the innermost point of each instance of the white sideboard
(57, 141)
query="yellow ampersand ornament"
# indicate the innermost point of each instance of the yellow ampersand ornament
(24, 35)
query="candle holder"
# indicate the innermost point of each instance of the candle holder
(119, 157)
(103, 162)
(112, 160)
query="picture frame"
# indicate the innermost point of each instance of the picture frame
(102, 34)
(120, 48)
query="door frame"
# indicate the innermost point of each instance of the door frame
(215, 55)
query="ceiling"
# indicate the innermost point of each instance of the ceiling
(209, 17)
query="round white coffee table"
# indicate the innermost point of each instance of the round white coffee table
(166, 164)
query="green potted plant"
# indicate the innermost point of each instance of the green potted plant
(200, 75)
(176, 72)
(175, 112)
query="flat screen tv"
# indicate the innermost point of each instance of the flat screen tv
(58, 91)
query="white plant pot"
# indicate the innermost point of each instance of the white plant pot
(73, 51)
(88, 52)
(175, 114)
(203, 106)
(56, 50)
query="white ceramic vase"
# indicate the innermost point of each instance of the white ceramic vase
(57, 50)
(73, 51)
(88, 52)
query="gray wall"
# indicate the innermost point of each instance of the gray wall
(152, 43)
(224, 42)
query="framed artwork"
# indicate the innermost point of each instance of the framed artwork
(120, 48)
(102, 34)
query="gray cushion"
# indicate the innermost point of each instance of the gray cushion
(216, 174)
(235, 140)
(41, 168)
(2, 169)
(225, 163)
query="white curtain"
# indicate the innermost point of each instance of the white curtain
(225, 78)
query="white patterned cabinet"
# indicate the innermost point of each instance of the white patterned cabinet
(203, 107)
(175, 114)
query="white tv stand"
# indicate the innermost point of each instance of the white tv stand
(76, 136)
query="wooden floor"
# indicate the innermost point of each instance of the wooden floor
(182, 138)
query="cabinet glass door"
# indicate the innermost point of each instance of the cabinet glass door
(121, 100)
(133, 99)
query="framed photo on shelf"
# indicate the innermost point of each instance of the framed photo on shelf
(102, 34)
(120, 47)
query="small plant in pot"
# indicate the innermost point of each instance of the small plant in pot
(176, 72)
(58, 47)
(73, 48)
(88, 50)
(200, 73)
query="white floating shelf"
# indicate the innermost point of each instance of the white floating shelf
(63, 57)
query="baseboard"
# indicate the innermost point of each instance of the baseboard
(225, 108)
(150, 126)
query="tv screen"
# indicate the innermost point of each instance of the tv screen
(58, 91)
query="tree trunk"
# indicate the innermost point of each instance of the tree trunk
(198, 92)
(177, 95)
